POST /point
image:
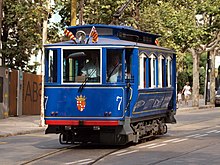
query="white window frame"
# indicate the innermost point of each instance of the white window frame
(81, 48)
(160, 71)
(142, 56)
(153, 70)
(169, 71)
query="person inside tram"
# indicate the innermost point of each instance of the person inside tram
(114, 69)
(91, 68)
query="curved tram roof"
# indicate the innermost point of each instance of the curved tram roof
(111, 35)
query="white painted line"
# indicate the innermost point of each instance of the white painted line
(159, 145)
(118, 152)
(201, 135)
(217, 132)
(86, 162)
(148, 145)
(192, 135)
(212, 131)
(79, 161)
(180, 140)
(166, 141)
(125, 153)
(36, 135)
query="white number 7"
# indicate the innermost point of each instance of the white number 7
(45, 101)
(119, 99)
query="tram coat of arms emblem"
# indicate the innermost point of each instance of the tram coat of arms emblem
(81, 102)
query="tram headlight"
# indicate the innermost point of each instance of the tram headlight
(107, 114)
(52, 113)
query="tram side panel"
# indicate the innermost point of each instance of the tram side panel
(150, 103)
(94, 103)
(155, 102)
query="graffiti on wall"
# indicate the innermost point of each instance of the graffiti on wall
(33, 91)
(31, 94)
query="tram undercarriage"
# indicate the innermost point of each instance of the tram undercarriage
(115, 135)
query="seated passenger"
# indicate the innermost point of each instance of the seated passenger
(114, 70)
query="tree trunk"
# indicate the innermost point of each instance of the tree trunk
(81, 7)
(0, 21)
(44, 39)
(213, 53)
(1, 55)
(195, 88)
(73, 12)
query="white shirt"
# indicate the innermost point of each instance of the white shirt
(114, 72)
(186, 89)
(91, 70)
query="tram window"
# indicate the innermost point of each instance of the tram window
(51, 58)
(152, 70)
(114, 66)
(161, 71)
(81, 65)
(168, 71)
(128, 62)
(149, 72)
(142, 70)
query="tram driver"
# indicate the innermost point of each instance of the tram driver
(91, 69)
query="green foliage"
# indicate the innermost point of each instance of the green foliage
(22, 28)
(185, 73)
(174, 20)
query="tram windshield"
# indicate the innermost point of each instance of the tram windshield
(81, 66)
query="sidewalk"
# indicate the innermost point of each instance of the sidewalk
(12, 126)
(202, 105)
(30, 124)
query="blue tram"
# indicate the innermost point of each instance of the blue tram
(109, 85)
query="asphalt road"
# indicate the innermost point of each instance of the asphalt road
(194, 140)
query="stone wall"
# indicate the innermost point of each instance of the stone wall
(4, 92)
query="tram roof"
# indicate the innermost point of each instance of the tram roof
(123, 32)
(108, 42)
(112, 35)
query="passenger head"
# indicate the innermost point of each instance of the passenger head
(115, 60)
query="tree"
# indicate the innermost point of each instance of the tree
(176, 21)
(22, 31)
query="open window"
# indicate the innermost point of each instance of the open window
(168, 71)
(161, 71)
(51, 65)
(129, 78)
(81, 65)
(152, 71)
(142, 70)
(114, 71)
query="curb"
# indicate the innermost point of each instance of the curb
(196, 108)
(22, 132)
